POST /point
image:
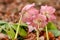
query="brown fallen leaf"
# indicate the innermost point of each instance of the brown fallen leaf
(3, 37)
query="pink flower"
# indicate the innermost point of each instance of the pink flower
(48, 11)
(39, 20)
(30, 12)
(34, 18)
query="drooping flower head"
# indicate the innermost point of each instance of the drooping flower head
(48, 11)
(29, 12)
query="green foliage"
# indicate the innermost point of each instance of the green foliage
(10, 29)
(22, 31)
(6, 27)
(52, 28)
(2, 25)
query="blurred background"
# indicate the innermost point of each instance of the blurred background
(10, 9)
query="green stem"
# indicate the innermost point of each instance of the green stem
(47, 33)
(19, 23)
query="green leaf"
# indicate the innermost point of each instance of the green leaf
(10, 33)
(10, 28)
(22, 31)
(0, 30)
(14, 26)
(55, 32)
(51, 26)
(2, 23)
